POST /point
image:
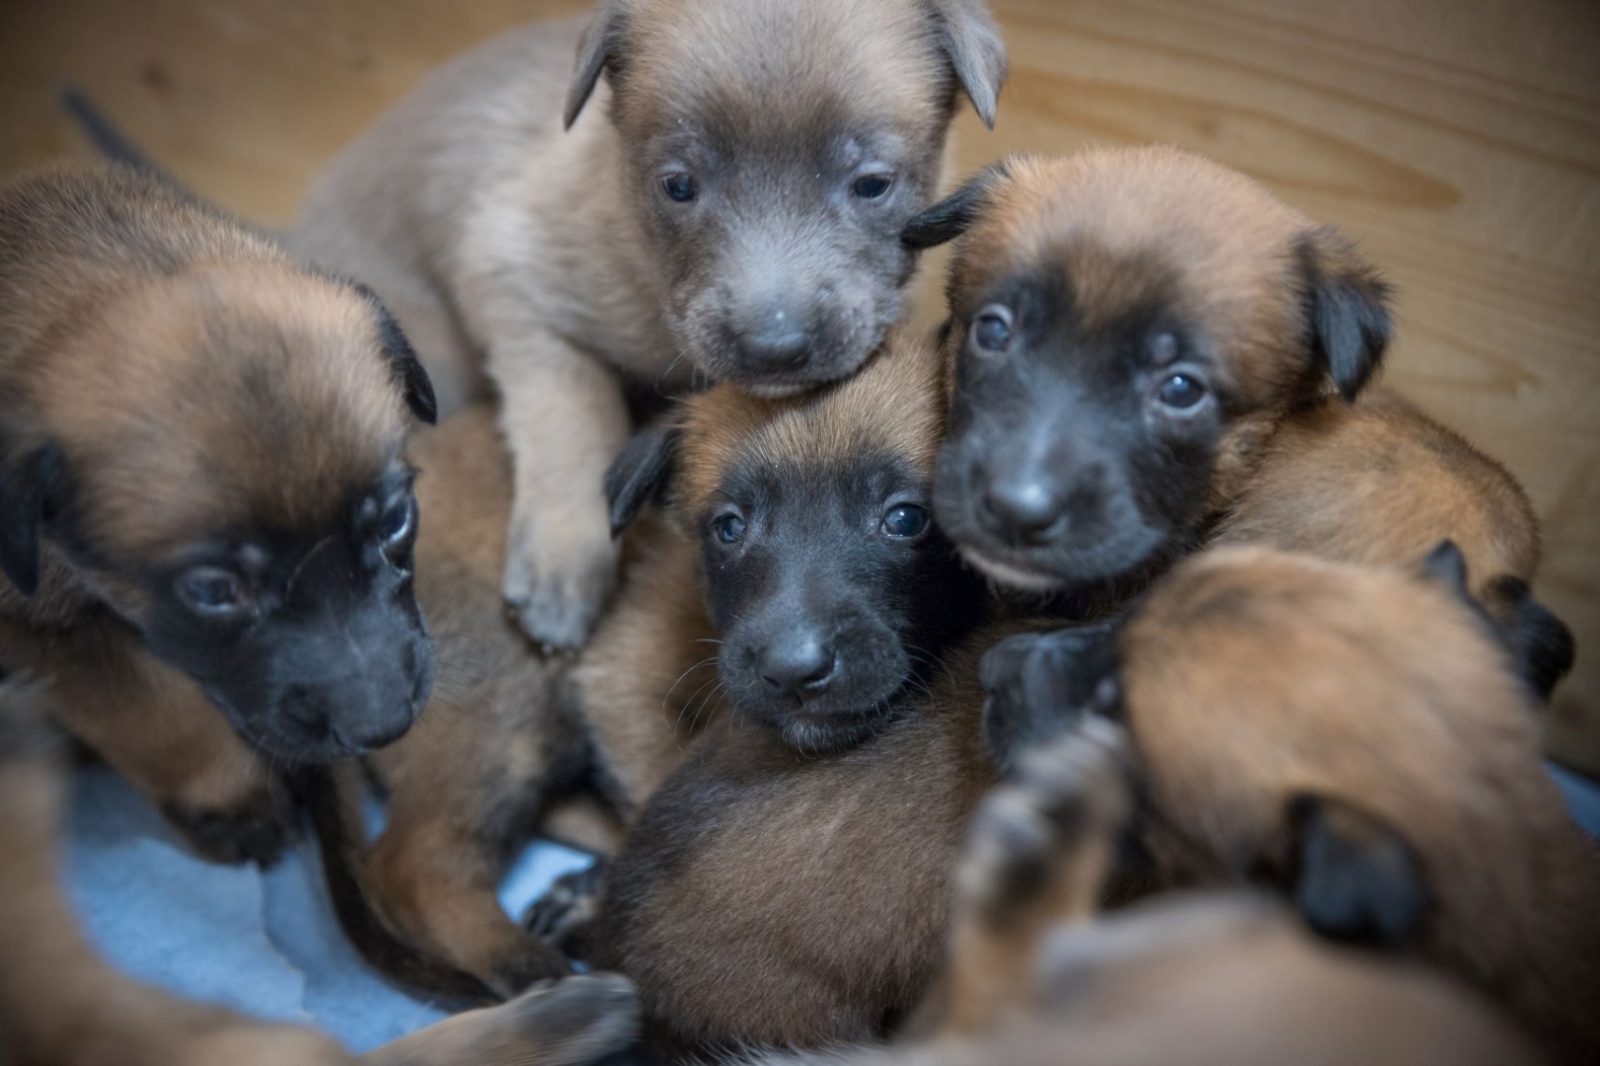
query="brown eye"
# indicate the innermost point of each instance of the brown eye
(1181, 391)
(212, 592)
(679, 187)
(871, 186)
(729, 528)
(991, 330)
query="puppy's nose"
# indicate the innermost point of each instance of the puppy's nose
(370, 735)
(1022, 510)
(799, 664)
(775, 350)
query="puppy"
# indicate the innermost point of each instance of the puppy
(794, 580)
(1358, 737)
(60, 1005)
(1037, 974)
(1149, 352)
(206, 505)
(730, 203)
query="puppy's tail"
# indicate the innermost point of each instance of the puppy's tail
(333, 795)
(108, 140)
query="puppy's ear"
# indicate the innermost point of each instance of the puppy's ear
(971, 40)
(955, 214)
(1357, 878)
(27, 484)
(641, 474)
(415, 384)
(1448, 566)
(598, 49)
(1347, 308)
(1542, 647)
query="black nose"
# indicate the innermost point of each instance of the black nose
(1022, 510)
(800, 664)
(775, 349)
(367, 736)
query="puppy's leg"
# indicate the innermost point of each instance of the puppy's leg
(60, 1005)
(466, 787)
(564, 419)
(1037, 857)
(570, 1022)
(564, 916)
(157, 729)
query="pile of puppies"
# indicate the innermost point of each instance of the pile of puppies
(897, 660)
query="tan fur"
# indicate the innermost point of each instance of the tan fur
(648, 681)
(118, 300)
(511, 248)
(1251, 676)
(1374, 481)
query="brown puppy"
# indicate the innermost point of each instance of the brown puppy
(794, 579)
(207, 515)
(1149, 351)
(60, 1005)
(729, 203)
(1357, 736)
(1035, 975)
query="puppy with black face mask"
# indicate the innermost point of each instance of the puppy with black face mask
(792, 580)
(208, 515)
(715, 187)
(1149, 352)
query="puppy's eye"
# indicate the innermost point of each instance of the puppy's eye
(991, 330)
(871, 186)
(212, 592)
(679, 187)
(1181, 391)
(396, 522)
(904, 521)
(729, 528)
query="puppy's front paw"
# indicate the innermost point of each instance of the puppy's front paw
(563, 915)
(1053, 827)
(1038, 684)
(556, 594)
(254, 828)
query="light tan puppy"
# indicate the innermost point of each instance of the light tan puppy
(729, 203)
(61, 1005)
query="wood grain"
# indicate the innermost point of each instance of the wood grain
(1459, 140)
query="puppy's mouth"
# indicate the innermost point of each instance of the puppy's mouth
(1009, 575)
(1060, 568)
(828, 734)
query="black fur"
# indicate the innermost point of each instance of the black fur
(1541, 645)
(1040, 684)
(1357, 879)
(1348, 314)
(641, 474)
(955, 214)
(415, 384)
(26, 489)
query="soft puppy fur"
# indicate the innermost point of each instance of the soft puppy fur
(1359, 737)
(60, 1005)
(208, 515)
(1038, 974)
(793, 579)
(1148, 350)
(727, 198)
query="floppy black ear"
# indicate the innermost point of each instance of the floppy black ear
(1542, 647)
(26, 485)
(1347, 304)
(640, 474)
(955, 214)
(415, 384)
(597, 49)
(971, 40)
(1357, 879)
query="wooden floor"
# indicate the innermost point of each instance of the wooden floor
(1458, 139)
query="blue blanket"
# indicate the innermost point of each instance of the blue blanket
(267, 943)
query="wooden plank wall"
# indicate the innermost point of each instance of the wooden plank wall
(1459, 140)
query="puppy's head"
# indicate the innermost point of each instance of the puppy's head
(1127, 327)
(828, 584)
(774, 151)
(218, 456)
